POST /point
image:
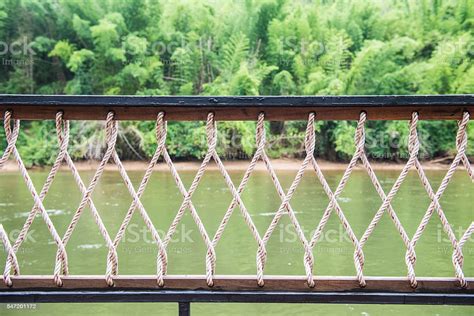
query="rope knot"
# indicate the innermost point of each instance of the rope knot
(310, 140)
(111, 129)
(461, 136)
(11, 136)
(161, 129)
(211, 131)
(12, 259)
(260, 130)
(359, 137)
(7, 120)
(62, 130)
(413, 141)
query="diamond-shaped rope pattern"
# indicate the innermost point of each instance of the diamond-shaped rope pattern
(111, 129)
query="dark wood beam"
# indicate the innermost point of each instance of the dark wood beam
(244, 283)
(437, 107)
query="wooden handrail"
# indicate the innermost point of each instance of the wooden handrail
(192, 108)
(245, 283)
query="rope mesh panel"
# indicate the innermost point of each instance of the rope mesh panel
(12, 129)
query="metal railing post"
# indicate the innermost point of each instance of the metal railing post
(184, 308)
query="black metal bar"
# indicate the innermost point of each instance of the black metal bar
(184, 308)
(276, 108)
(234, 296)
(237, 101)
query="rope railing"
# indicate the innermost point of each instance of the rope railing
(61, 268)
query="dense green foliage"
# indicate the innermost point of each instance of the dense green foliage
(251, 47)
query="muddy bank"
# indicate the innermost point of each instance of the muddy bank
(240, 165)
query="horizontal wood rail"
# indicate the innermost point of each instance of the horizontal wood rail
(184, 297)
(440, 107)
(184, 289)
(187, 289)
(245, 283)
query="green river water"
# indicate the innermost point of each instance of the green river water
(384, 252)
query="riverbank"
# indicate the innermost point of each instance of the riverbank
(235, 165)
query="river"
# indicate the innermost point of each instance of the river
(384, 251)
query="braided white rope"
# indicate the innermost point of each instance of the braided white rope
(112, 261)
(285, 205)
(333, 204)
(211, 131)
(187, 203)
(161, 150)
(62, 131)
(261, 154)
(467, 234)
(461, 141)
(111, 153)
(62, 128)
(12, 136)
(461, 144)
(387, 199)
(10, 253)
(11, 140)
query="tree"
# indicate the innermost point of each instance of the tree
(251, 47)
